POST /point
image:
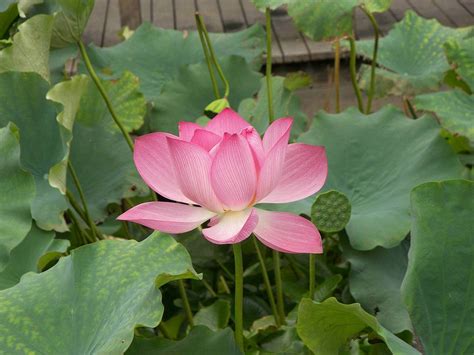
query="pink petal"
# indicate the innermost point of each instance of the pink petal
(153, 161)
(205, 139)
(227, 121)
(287, 233)
(187, 129)
(256, 145)
(167, 217)
(233, 173)
(275, 131)
(192, 166)
(232, 227)
(272, 168)
(304, 173)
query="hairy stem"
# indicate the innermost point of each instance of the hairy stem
(186, 306)
(239, 296)
(352, 66)
(103, 93)
(374, 59)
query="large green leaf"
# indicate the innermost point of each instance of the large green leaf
(455, 110)
(186, 97)
(200, 340)
(29, 51)
(285, 104)
(411, 56)
(461, 54)
(17, 190)
(328, 326)
(90, 302)
(43, 140)
(375, 280)
(99, 154)
(156, 55)
(376, 160)
(25, 257)
(438, 288)
(215, 316)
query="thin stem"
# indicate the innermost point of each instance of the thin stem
(374, 59)
(209, 288)
(84, 238)
(82, 214)
(77, 184)
(213, 56)
(207, 55)
(312, 274)
(239, 296)
(103, 93)
(352, 66)
(410, 107)
(224, 284)
(268, 68)
(266, 280)
(186, 306)
(164, 330)
(337, 69)
(279, 287)
(225, 269)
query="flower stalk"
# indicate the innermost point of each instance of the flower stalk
(312, 275)
(268, 66)
(239, 295)
(374, 59)
(279, 286)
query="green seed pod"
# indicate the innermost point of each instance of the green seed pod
(215, 107)
(331, 211)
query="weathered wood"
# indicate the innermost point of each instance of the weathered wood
(399, 7)
(184, 12)
(468, 5)
(429, 10)
(211, 16)
(145, 10)
(232, 15)
(112, 24)
(94, 31)
(455, 12)
(130, 13)
(291, 41)
(163, 13)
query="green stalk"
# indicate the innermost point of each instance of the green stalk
(279, 287)
(268, 68)
(82, 235)
(207, 55)
(103, 93)
(213, 56)
(337, 69)
(312, 274)
(82, 214)
(374, 59)
(268, 286)
(352, 66)
(164, 330)
(186, 306)
(209, 288)
(410, 107)
(239, 296)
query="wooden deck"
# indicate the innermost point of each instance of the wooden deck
(289, 46)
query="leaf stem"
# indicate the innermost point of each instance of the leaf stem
(82, 214)
(374, 59)
(410, 107)
(82, 235)
(239, 295)
(279, 286)
(268, 286)
(203, 28)
(337, 69)
(268, 67)
(206, 54)
(312, 275)
(209, 288)
(352, 66)
(186, 306)
(103, 93)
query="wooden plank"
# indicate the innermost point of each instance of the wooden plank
(455, 12)
(145, 6)
(399, 7)
(232, 15)
(322, 50)
(252, 16)
(429, 10)
(184, 12)
(163, 13)
(130, 13)
(468, 5)
(291, 41)
(211, 16)
(94, 31)
(362, 25)
(112, 24)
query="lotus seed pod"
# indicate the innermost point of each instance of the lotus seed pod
(331, 211)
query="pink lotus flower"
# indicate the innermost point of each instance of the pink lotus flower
(220, 172)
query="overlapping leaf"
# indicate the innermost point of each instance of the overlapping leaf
(326, 327)
(438, 286)
(411, 56)
(91, 301)
(17, 190)
(376, 160)
(461, 54)
(216, 316)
